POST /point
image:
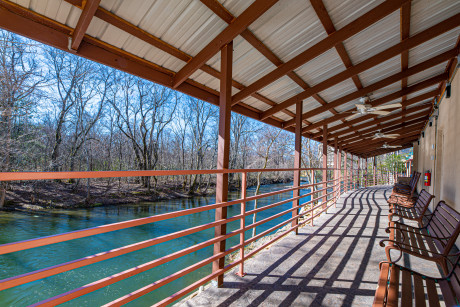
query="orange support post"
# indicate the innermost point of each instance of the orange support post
(297, 161)
(324, 185)
(223, 153)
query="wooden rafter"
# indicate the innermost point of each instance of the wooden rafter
(226, 16)
(371, 131)
(22, 21)
(251, 14)
(377, 59)
(370, 142)
(344, 33)
(405, 32)
(328, 25)
(87, 14)
(391, 97)
(380, 120)
(380, 84)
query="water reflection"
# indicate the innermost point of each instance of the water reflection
(16, 226)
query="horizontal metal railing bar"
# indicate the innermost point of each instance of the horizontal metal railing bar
(57, 269)
(149, 288)
(54, 270)
(15, 176)
(206, 279)
(186, 251)
(37, 242)
(146, 266)
(78, 263)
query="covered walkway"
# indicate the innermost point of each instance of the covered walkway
(334, 263)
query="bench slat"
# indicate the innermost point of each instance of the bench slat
(419, 291)
(447, 293)
(433, 297)
(406, 289)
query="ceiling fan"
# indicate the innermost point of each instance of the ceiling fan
(385, 145)
(380, 135)
(365, 108)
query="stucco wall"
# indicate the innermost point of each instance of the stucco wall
(444, 134)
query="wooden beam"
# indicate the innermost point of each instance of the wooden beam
(254, 11)
(328, 25)
(297, 162)
(408, 137)
(388, 128)
(324, 166)
(380, 120)
(87, 14)
(223, 153)
(407, 103)
(226, 16)
(344, 33)
(380, 84)
(369, 142)
(412, 89)
(405, 32)
(379, 58)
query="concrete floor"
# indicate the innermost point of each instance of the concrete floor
(334, 263)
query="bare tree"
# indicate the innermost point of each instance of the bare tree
(19, 81)
(143, 109)
(267, 140)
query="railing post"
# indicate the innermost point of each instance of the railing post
(367, 174)
(345, 181)
(223, 154)
(312, 195)
(334, 183)
(339, 164)
(324, 185)
(297, 162)
(242, 222)
(359, 173)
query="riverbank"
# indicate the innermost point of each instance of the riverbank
(44, 195)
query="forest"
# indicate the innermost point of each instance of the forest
(61, 112)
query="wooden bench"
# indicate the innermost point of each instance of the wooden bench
(400, 286)
(415, 212)
(406, 192)
(433, 241)
(405, 195)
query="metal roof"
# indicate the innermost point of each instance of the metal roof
(165, 35)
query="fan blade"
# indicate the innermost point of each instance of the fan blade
(380, 112)
(375, 137)
(390, 137)
(352, 116)
(388, 106)
(360, 106)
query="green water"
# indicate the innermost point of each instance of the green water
(16, 226)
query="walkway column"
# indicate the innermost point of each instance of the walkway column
(324, 185)
(297, 160)
(359, 175)
(223, 152)
(375, 170)
(345, 181)
(365, 184)
(335, 182)
(339, 171)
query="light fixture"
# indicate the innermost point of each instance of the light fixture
(448, 90)
(423, 134)
(431, 123)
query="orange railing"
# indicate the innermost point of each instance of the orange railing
(328, 192)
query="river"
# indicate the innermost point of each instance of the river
(16, 226)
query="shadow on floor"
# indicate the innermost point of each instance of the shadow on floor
(334, 263)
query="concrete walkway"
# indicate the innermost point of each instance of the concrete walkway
(334, 263)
